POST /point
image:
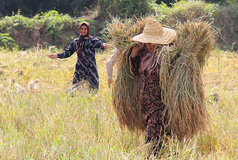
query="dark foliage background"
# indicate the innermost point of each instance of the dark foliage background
(124, 8)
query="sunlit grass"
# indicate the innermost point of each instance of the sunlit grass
(39, 119)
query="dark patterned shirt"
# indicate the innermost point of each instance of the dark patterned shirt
(85, 69)
(150, 99)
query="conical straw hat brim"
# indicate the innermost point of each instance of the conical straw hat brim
(166, 38)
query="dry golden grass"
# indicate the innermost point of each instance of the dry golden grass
(40, 120)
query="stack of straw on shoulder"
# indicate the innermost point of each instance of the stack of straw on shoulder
(180, 76)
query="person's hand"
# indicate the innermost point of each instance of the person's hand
(105, 46)
(136, 49)
(53, 56)
(109, 82)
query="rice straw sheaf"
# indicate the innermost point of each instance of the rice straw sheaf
(180, 76)
(181, 79)
(126, 87)
(125, 94)
(119, 32)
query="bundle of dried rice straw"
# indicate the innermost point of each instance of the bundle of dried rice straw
(180, 76)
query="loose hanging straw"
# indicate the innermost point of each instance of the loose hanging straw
(181, 79)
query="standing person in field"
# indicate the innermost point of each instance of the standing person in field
(144, 63)
(85, 46)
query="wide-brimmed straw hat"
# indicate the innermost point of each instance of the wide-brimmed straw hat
(154, 33)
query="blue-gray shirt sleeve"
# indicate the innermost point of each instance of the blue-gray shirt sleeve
(69, 51)
(97, 44)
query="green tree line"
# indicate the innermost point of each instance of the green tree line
(32, 7)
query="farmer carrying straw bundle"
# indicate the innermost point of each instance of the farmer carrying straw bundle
(144, 63)
(158, 88)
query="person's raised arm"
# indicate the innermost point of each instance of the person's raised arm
(69, 51)
(135, 58)
(109, 66)
(109, 72)
(136, 49)
(97, 44)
